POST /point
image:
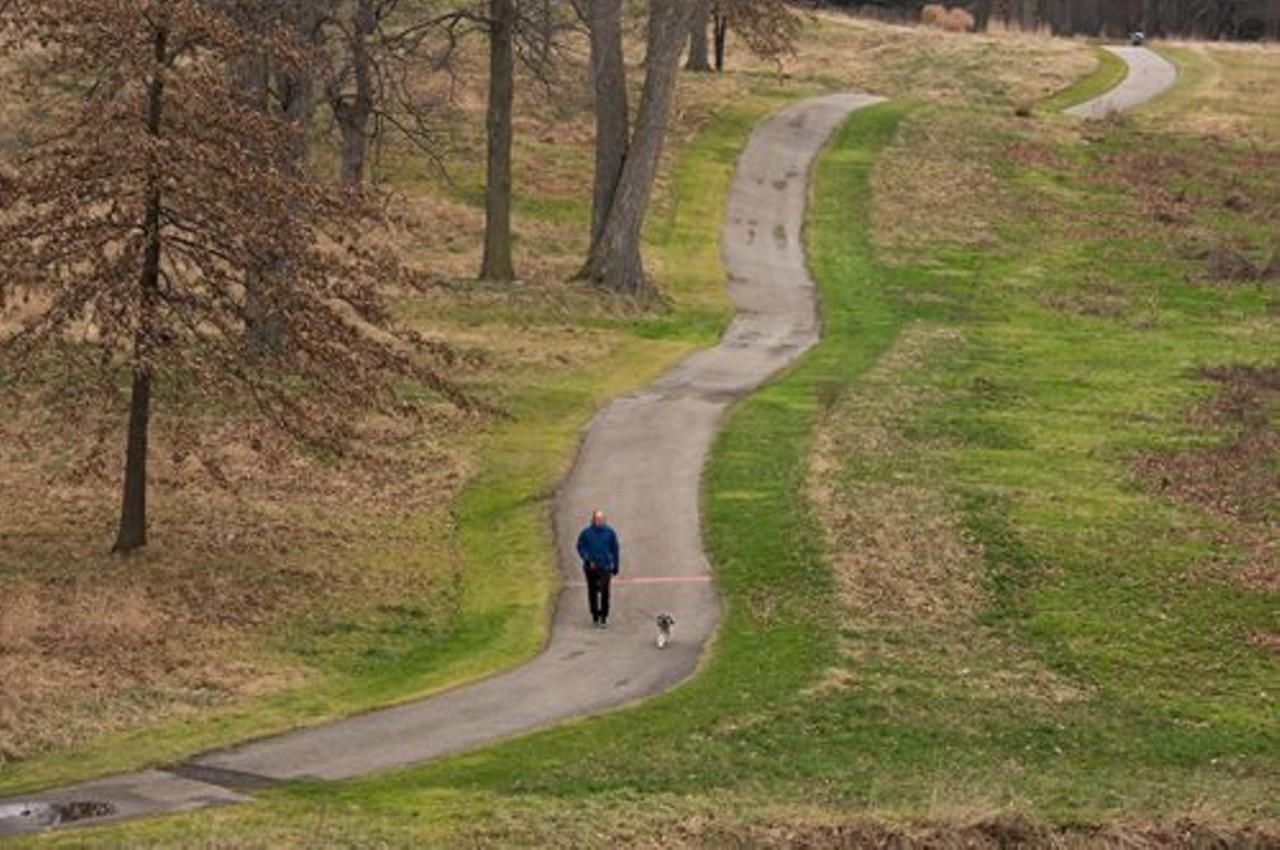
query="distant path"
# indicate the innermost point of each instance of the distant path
(641, 461)
(1150, 75)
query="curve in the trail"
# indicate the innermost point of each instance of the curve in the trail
(641, 461)
(1150, 75)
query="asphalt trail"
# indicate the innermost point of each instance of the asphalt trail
(1150, 75)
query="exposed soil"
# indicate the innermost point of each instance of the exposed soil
(994, 832)
(1222, 226)
(1239, 478)
(820, 829)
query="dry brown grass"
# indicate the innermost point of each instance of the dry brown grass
(898, 550)
(949, 194)
(973, 832)
(952, 20)
(244, 541)
(1232, 92)
(933, 65)
(719, 818)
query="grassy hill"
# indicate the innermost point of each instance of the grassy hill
(999, 556)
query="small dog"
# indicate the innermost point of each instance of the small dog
(665, 624)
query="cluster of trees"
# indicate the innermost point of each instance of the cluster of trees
(1207, 19)
(166, 229)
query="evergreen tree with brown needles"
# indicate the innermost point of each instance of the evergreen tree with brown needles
(148, 191)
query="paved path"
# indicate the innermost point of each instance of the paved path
(1150, 75)
(641, 461)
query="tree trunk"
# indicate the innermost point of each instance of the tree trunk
(699, 46)
(353, 116)
(981, 15)
(295, 96)
(132, 533)
(614, 261)
(252, 76)
(497, 265)
(721, 25)
(609, 75)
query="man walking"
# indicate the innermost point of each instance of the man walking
(598, 549)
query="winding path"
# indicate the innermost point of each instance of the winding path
(641, 460)
(1150, 75)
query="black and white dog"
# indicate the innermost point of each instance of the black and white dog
(665, 624)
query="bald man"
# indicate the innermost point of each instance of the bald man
(598, 549)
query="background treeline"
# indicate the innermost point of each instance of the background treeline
(1245, 20)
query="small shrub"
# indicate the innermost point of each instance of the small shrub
(951, 20)
(957, 20)
(932, 14)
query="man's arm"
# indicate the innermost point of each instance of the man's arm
(616, 552)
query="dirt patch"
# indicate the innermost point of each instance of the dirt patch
(1225, 264)
(1215, 210)
(1002, 831)
(1238, 479)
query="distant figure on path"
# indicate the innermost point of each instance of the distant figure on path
(598, 549)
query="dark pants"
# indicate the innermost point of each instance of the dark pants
(598, 592)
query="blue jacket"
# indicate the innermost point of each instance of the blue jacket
(599, 545)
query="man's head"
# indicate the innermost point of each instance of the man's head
(597, 517)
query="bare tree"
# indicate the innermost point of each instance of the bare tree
(369, 52)
(354, 111)
(153, 193)
(378, 45)
(769, 28)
